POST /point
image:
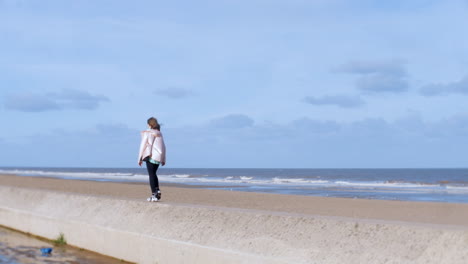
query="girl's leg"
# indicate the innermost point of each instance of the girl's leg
(153, 178)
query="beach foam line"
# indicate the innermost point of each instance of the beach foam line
(441, 187)
(143, 232)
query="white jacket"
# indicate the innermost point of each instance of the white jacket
(152, 144)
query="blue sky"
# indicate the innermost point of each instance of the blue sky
(296, 84)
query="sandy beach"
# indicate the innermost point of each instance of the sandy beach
(254, 227)
(416, 212)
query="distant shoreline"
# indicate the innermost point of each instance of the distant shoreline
(426, 185)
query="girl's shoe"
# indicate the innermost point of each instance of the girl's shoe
(152, 198)
(158, 195)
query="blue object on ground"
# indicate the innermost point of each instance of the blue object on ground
(46, 251)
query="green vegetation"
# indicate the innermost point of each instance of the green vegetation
(60, 240)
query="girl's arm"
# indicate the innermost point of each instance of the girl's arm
(142, 146)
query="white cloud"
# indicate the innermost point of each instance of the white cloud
(458, 87)
(70, 98)
(387, 67)
(338, 100)
(378, 82)
(175, 92)
(64, 99)
(29, 102)
(308, 125)
(232, 121)
(105, 145)
(378, 76)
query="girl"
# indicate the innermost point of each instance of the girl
(153, 152)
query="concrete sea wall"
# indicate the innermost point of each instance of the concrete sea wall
(144, 232)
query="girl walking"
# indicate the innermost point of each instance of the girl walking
(153, 153)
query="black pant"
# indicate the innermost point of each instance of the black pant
(153, 178)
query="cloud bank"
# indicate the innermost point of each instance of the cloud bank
(175, 92)
(458, 87)
(232, 121)
(377, 76)
(306, 142)
(337, 100)
(64, 99)
(303, 142)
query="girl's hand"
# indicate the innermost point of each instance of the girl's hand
(139, 163)
(163, 163)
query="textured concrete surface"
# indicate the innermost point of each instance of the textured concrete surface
(143, 232)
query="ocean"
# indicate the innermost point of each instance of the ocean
(433, 185)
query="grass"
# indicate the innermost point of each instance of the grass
(60, 240)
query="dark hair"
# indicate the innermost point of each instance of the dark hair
(153, 123)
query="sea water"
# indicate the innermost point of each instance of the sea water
(439, 185)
